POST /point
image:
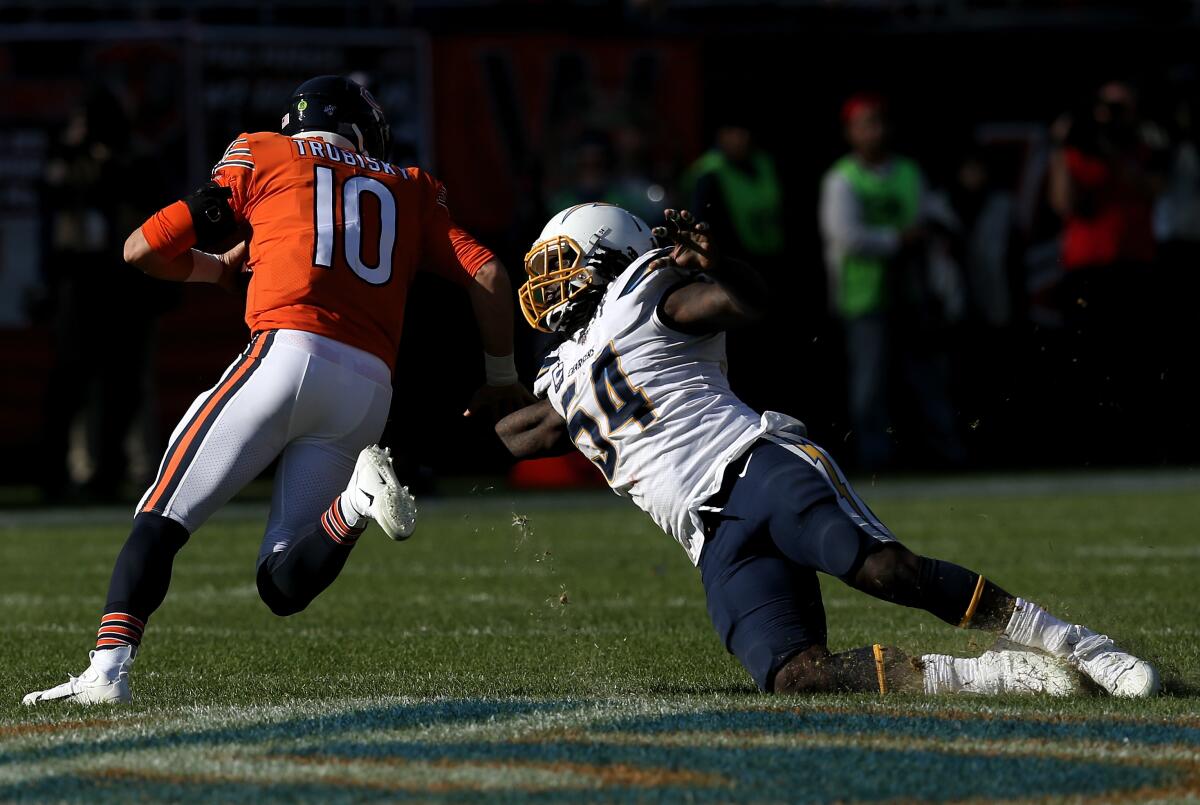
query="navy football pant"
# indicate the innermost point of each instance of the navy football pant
(784, 513)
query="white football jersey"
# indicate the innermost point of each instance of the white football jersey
(651, 406)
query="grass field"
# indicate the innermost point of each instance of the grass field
(571, 660)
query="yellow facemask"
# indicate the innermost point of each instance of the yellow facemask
(556, 276)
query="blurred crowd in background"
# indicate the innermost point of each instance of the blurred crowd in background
(967, 273)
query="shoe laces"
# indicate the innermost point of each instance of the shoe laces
(1088, 647)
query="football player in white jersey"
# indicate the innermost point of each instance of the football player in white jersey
(638, 385)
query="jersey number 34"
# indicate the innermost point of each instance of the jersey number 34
(324, 199)
(621, 403)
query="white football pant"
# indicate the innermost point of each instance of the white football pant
(308, 400)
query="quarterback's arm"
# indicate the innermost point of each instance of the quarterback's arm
(162, 247)
(491, 300)
(535, 431)
(190, 266)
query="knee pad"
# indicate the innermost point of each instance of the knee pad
(280, 604)
(833, 543)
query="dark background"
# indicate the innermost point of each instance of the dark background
(492, 98)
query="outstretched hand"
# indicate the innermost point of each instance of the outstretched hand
(497, 402)
(692, 244)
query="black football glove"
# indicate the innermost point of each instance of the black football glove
(212, 217)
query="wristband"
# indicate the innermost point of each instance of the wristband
(205, 268)
(500, 371)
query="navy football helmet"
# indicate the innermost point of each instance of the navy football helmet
(336, 104)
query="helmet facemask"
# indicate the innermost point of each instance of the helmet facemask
(557, 279)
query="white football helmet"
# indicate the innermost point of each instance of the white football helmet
(558, 266)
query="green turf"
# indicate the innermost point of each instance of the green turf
(573, 661)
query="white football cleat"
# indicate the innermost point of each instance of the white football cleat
(96, 685)
(996, 672)
(380, 496)
(1117, 671)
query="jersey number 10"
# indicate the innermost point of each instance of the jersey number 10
(324, 217)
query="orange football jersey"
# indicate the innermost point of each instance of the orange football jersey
(336, 237)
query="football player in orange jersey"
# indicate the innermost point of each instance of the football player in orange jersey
(332, 235)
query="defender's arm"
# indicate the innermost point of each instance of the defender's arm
(737, 296)
(535, 431)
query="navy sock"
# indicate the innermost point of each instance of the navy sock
(962, 597)
(140, 579)
(288, 581)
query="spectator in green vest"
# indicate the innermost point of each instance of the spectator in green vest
(871, 223)
(735, 188)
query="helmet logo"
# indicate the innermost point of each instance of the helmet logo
(300, 107)
(369, 98)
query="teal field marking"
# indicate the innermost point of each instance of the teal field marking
(910, 726)
(468, 750)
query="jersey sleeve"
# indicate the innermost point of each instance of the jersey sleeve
(170, 231)
(541, 384)
(450, 251)
(235, 170)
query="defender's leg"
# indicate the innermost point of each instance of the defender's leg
(886, 569)
(766, 610)
(863, 670)
(774, 525)
(958, 596)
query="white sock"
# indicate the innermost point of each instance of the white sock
(939, 674)
(354, 506)
(1034, 627)
(945, 674)
(110, 661)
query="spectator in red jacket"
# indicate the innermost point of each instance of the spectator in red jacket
(1105, 173)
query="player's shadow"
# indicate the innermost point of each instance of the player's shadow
(1180, 688)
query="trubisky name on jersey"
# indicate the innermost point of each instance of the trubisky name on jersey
(318, 149)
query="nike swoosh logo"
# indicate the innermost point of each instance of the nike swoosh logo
(370, 497)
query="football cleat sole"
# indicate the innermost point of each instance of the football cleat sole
(392, 506)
